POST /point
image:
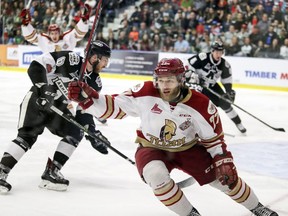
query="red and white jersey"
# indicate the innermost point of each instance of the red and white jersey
(68, 40)
(167, 126)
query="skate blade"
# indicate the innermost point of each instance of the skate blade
(52, 186)
(3, 190)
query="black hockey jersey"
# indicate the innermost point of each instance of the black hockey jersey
(210, 71)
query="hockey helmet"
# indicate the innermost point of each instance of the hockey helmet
(53, 27)
(217, 45)
(170, 67)
(100, 48)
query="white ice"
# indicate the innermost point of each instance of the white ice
(108, 185)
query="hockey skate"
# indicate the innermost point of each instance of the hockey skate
(52, 179)
(194, 212)
(241, 128)
(4, 186)
(261, 210)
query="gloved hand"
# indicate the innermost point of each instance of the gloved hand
(46, 97)
(225, 169)
(82, 93)
(86, 12)
(98, 144)
(192, 80)
(230, 95)
(25, 16)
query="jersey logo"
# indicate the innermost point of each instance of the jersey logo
(168, 130)
(185, 125)
(98, 82)
(60, 61)
(137, 87)
(74, 59)
(156, 109)
(211, 108)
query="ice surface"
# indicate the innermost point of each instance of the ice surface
(108, 185)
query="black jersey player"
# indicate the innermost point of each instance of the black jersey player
(205, 70)
(50, 74)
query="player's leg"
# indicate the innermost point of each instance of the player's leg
(155, 171)
(243, 194)
(52, 178)
(30, 125)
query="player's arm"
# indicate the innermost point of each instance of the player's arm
(82, 26)
(226, 80)
(222, 159)
(28, 31)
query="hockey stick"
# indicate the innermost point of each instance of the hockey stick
(232, 103)
(92, 37)
(182, 184)
(106, 142)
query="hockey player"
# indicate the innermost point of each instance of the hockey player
(35, 115)
(205, 70)
(54, 40)
(180, 128)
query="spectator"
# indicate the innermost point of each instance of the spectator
(111, 41)
(247, 48)
(156, 43)
(263, 24)
(230, 34)
(168, 44)
(145, 43)
(260, 51)
(144, 30)
(284, 49)
(123, 41)
(255, 36)
(234, 48)
(134, 34)
(181, 45)
(273, 51)
(269, 36)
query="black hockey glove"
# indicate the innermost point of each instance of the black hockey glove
(230, 95)
(97, 144)
(46, 97)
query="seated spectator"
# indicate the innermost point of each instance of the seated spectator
(274, 50)
(134, 34)
(234, 48)
(168, 44)
(260, 51)
(284, 49)
(247, 48)
(123, 41)
(145, 43)
(181, 45)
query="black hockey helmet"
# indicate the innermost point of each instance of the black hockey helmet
(100, 48)
(217, 45)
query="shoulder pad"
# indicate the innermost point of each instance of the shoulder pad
(202, 56)
(227, 64)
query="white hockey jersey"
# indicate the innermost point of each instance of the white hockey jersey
(68, 40)
(166, 126)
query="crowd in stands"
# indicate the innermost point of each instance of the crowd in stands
(252, 28)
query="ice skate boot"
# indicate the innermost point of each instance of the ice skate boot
(241, 128)
(194, 212)
(261, 210)
(52, 179)
(4, 185)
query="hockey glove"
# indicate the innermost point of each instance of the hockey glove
(225, 169)
(230, 95)
(86, 12)
(46, 97)
(98, 144)
(82, 93)
(192, 80)
(25, 16)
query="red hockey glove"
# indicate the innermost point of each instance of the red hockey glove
(86, 12)
(25, 16)
(82, 93)
(225, 169)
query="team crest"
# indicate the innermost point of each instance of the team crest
(60, 61)
(137, 87)
(211, 108)
(168, 130)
